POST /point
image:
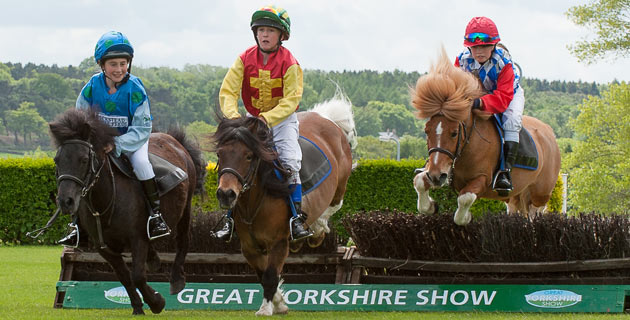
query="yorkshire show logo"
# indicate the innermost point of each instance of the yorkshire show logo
(553, 298)
(119, 295)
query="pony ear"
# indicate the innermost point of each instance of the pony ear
(84, 131)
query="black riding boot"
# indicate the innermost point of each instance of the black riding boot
(156, 226)
(504, 178)
(299, 229)
(225, 233)
(72, 239)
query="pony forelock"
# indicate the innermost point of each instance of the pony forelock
(446, 90)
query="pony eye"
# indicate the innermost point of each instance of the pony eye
(249, 157)
(453, 134)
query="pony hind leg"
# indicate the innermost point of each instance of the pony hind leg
(124, 276)
(320, 226)
(178, 277)
(153, 260)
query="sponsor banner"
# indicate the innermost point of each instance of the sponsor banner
(364, 297)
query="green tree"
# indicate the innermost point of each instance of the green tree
(26, 121)
(610, 19)
(370, 147)
(599, 177)
(367, 121)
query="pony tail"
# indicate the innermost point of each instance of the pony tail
(339, 110)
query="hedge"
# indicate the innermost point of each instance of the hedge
(28, 189)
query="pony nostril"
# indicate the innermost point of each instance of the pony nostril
(443, 178)
(68, 202)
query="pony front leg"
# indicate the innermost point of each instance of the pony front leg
(465, 200)
(421, 183)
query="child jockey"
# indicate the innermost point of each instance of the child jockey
(121, 101)
(496, 71)
(269, 79)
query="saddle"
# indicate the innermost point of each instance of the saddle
(167, 175)
(527, 156)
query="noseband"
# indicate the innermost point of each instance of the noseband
(248, 180)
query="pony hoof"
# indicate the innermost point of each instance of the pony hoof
(177, 286)
(280, 309)
(138, 312)
(158, 306)
(316, 241)
(265, 310)
(295, 246)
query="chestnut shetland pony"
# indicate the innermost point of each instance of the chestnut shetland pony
(464, 147)
(89, 186)
(249, 186)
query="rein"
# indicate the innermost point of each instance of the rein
(90, 179)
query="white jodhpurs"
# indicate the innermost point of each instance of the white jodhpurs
(285, 137)
(513, 116)
(140, 162)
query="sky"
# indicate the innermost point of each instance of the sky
(329, 35)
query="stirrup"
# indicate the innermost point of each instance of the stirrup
(230, 232)
(503, 192)
(303, 223)
(73, 228)
(157, 216)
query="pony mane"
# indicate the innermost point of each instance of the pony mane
(82, 125)
(446, 90)
(255, 135)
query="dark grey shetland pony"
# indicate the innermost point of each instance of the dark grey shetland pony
(90, 187)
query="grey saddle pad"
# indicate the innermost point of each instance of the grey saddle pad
(167, 175)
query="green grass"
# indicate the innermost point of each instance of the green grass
(28, 275)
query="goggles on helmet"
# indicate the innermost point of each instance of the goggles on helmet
(480, 37)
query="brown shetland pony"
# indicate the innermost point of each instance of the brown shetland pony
(464, 147)
(258, 197)
(89, 186)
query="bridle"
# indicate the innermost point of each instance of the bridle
(91, 176)
(246, 181)
(89, 180)
(462, 142)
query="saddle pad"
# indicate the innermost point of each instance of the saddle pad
(527, 156)
(315, 165)
(167, 175)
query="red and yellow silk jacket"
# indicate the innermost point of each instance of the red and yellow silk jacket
(272, 91)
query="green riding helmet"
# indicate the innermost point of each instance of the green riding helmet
(272, 16)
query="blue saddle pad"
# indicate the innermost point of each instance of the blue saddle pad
(315, 165)
(527, 156)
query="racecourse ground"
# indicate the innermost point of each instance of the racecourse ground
(28, 275)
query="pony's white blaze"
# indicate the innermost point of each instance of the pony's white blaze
(438, 133)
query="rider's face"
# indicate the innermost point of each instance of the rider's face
(482, 53)
(116, 68)
(268, 38)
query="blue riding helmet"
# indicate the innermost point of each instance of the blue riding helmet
(113, 44)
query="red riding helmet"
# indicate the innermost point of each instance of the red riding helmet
(481, 31)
